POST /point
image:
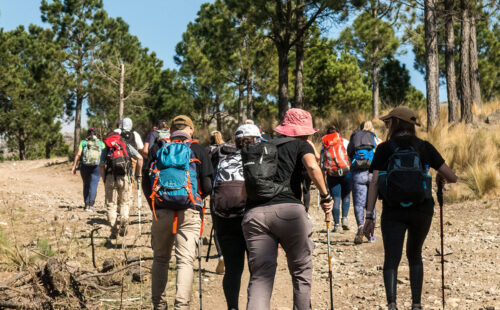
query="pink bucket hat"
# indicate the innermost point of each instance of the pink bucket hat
(297, 122)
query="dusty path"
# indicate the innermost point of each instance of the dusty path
(40, 202)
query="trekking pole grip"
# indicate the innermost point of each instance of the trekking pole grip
(328, 217)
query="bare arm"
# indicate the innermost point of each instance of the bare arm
(75, 163)
(316, 175)
(445, 174)
(138, 167)
(103, 173)
(145, 151)
(370, 206)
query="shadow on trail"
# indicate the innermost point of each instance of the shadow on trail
(97, 221)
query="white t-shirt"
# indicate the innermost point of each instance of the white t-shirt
(137, 138)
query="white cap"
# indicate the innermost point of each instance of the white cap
(247, 130)
(127, 124)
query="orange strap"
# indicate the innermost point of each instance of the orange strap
(174, 225)
(202, 219)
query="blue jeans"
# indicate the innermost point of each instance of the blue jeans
(340, 189)
(90, 177)
(360, 181)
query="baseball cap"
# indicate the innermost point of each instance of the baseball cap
(403, 113)
(183, 120)
(247, 130)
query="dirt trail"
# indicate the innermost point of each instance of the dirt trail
(41, 200)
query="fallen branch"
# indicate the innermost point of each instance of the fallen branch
(106, 273)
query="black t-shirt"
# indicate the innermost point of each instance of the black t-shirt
(428, 156)
(289, 168)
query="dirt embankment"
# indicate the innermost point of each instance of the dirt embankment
(41, 216)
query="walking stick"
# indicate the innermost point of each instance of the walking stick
(330, 275)
(199, 271)
(139, 205)
(210, 243)
(440, 201)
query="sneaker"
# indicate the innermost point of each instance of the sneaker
(392, 306)
(336, 228)
(372, 239)
(414, 307)
(345, 223)
(359, 236)
(220, 266)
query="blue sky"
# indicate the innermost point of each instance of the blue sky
(158, 24)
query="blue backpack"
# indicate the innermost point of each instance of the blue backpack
(173, 175)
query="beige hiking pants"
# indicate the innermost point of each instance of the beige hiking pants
(266, 226)
(117, 198)
(162, 241)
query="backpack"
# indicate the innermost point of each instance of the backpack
(364, 145)
(91, 153)
(173, 175)
(118, 160)
(406, 182)
(163, 133)
(228, 183)
(334, 159)
(260, 164)
(129, 137)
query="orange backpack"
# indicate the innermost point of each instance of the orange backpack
(334, 159)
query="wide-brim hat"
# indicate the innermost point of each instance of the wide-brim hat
(403, 113)
(297, 122)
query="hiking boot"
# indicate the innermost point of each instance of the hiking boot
(392, 306)
(220, 266)
(336, 228)
(359, 236)
(345, 223)
(114, 232)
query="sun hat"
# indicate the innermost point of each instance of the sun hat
(183, 120)
(403, 113)
(247, 130)
(297, 122)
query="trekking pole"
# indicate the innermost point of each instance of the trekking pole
(199, 271)
(330, 274)
(210, 243)
(139, 205)
(440, 201)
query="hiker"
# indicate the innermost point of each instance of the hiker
(177, 213)
(275, 213)
(406, 199)
(115, 167)
(162, 131)
(131, 136)
(216, 142)
(336, 164)
(89, 151)
(228, 208)
(360, 150)
(306, 181)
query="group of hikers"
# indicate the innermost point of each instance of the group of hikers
(259, 197)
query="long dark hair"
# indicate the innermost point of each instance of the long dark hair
(398, 126)
(91, 133)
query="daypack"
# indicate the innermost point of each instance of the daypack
(228, 183)
(334, 159)
(91, 153)
(163, 133)
(129, 137)
(173, 175)
(406, 182)
(364, 146)
(260, 164)
(118, 160)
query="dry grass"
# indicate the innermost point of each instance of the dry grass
(472, 151)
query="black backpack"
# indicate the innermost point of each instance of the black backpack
(129, 137)
(260, 164)
(406, 182)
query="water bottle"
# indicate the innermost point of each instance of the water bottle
(426, 168)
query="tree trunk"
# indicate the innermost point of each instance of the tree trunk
(432, 64)
(299, 59)
(22, 144)
(375, 69)
(122, 82)
(451, 83)
(282, 79)
(78, 118)
(241, 97)
(218, 116)
(48, 148)
(466, 99)
(250, 109)
(474, 67)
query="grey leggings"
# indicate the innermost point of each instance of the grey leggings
(360, 181)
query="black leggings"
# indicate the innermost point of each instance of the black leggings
(394, 224)
(233, 247)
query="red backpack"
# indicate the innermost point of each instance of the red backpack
(334, 159)
(118, 160)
